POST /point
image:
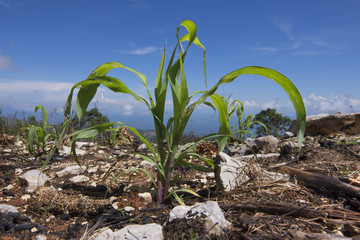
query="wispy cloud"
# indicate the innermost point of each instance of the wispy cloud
(306, 53)
(12, 4)
(115, 103)
(5, 3)
(286, 27)
(251, 104)
(33, 86)
(295, 43)
(265, 49)
(25, 95)
(273, 103)
(6, 63)
(339, 102)
(138, 4)
(140, 51)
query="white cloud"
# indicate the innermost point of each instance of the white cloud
(251, 104)
(286, 27)
(5, 63)
(140, 51)
(5, 3)
(13, 4)
(127, 109)
(266, 49)
(306, 53)
(270, 104)
(25, 95)
(123, 104)
(298, 44)
(338, 102)
(34, 86)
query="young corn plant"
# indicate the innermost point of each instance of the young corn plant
(226, 110)
(38, 136)
(170, 131)
(242, 129)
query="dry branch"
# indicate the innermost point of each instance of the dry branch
(285, 209)
(316, 180)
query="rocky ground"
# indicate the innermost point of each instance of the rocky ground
(75, 204)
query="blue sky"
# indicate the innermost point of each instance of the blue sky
(48, 46)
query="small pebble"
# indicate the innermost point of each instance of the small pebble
(25, 197)
(129, 209)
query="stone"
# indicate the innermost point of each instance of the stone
(145, 163)
(210, 211)
(266, 144)
(25, 197)
(33, 179)
(101, 152)
(104, 234)
(146, 196)
(4, 208)
(329, 124)
(129, 209)
(40, 237)
(71, 170)
(292, 144)
(84, 144)
(19, 144)
(232, 172)
(151, 231)
(67, 151)
(288, 135)
(7, 150)
(115, 205)
(142, 147)
(79, 179)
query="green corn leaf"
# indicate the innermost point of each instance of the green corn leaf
(194, 166)
(224, 129)
(108, 172)
(209, 161)
(283, 81)
(88, 89)
(160, 168)
(178, 199)
(158, 80)
(44, 115)
(147, 143)
(91, 131)
(32, 135)
(183, 190)
(84, 96)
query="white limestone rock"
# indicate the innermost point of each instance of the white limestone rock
(232, 172)
(33, 179)
(71, 170)
(151, 231)
(67, 151)
(5, 208)
(146, 196)
(79, 179)
(210, 211)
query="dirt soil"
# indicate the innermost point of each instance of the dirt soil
(286, 209)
